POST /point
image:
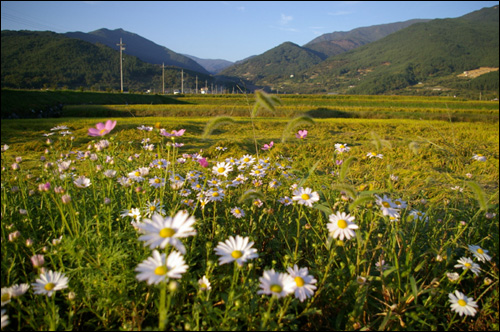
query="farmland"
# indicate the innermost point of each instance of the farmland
(377, 203)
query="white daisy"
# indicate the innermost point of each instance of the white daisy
(237, 212)
(374, 155)
(82, 182)
(467, 264)
(215, 194)
(156, 182)
(5, 319)
(341, 226)
(481, 254)
(49, 282)
(462, 304)
(160, 231)
(305, 196)
(277, 284)
(157, 268)
(204, 284)
(237, 249)
(479, 157)
(222, 169)
(342, 148)
(153, 207)
(304, 283)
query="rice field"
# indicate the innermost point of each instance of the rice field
(256, 221)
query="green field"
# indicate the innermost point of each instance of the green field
(437, 157)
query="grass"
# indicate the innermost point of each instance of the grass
(427, 164)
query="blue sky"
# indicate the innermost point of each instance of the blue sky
(231, 30)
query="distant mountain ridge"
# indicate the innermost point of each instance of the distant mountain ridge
(140, 47)
(213, 66)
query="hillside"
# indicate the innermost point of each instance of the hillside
(35, 60)
(339, 42)
(276, 64)
(213, 66)
(422, 52)
(140, 47)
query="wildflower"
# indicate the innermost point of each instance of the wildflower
(203, 162)
(479, 157)
(162, 231)
(6, 295)
(268, 146)
(66, 198)
(341, 226)
(361, 280)
(462, 304)
(467, 264)
(381, 265)
(156, 182)
(153, 207)
(258, 173)
(222, 169)
(204, 284)
(157, 268)
(37, 260)
(5, 319)
(237, 212)
(246, 160)
(452, 276)
(373, 154)
(215, 194)
(481, 254)
(173, 133)
(237, 249)
(419, 215)
(304, 283)
(285, 200)
(82, 182)
(109, 173)
(277, 284)
(340, 148)
(305, 196)
(102, 129)
(49, 282)
(18, 289)
(301, 134)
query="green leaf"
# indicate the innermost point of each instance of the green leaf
(480, 195)
(215, 123)
(345, 167)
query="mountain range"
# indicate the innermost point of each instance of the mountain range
(401, 57)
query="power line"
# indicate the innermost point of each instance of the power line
(19, 18)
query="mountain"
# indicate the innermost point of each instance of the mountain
(339, 42)
(213, 66)
(35, 60)
(289, 59)
(278, 63)
(140, 47)
(421, 52)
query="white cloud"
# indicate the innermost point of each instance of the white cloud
(285, 19)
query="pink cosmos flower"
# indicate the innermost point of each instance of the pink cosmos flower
(203, 162)
(102, 129)
(174, 133)
(268, 146)
(301, 134)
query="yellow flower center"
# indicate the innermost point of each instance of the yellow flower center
(237, 211)
(468, 264)
(49, 286)
(157, 180)
(342, 223)
(161, 270)
(215, 194)
(480, 251)
(462, 303)
(305, 197)
(385, 204)
(102, 132)
(257, 171)
(167, 232)
(299, 281)
(236, 254)
(5, 297)
(276, 288)
(342, 146)
(203, 285)
(152, 208)
(246, 160)
(221, 170)
(137, 174)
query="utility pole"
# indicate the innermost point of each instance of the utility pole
(121, 62)
(182, 81)
(163, 77)
(196, 84)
